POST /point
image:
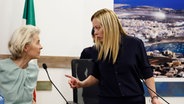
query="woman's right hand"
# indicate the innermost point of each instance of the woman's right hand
(73, 82)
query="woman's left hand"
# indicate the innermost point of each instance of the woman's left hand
(155, 101)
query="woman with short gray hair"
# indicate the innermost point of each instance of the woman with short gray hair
(18, 76)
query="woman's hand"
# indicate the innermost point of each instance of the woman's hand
(155, 101)
(33, 102)
(73, 82)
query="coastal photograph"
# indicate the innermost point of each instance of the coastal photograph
(160, 25)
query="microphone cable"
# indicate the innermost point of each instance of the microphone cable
(141, 78)
(154, 91)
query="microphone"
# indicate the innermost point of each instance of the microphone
(45, 67)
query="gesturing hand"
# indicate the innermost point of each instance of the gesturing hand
(73, 82)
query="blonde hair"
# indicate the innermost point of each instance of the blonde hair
(112, 30)
(22, 36)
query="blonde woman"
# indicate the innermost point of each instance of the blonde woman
(121, 62)
(18, 76)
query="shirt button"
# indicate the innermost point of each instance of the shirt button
(116, 72)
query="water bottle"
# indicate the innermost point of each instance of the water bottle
(1, 100)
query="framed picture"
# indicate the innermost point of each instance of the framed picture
(160, 25)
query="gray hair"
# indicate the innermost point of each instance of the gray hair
(21, 37)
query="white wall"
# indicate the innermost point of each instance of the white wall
(66, 24)
(11, 13)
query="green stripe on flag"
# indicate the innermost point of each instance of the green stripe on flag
(29, 14)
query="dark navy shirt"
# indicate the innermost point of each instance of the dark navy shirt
(123, 77)
(89, 53)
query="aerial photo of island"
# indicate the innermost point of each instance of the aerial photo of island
(160, 25)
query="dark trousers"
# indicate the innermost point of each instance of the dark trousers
(88, 100)
(122, 100)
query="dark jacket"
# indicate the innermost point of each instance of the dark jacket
(123, 77)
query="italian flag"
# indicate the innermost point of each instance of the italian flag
(29, 14)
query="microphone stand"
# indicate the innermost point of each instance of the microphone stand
(45, 67)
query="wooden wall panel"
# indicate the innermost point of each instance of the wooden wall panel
(51, 61)
(56, 61)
